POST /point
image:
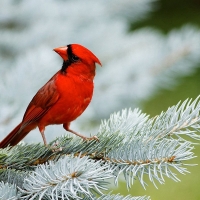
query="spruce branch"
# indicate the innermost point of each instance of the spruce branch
(119, 197)
(150, 147)
(130, 143)
(13, 176)
(8, 191)
(123, 123)
(69, 177)
(22, 156)
(181, 119)
(27, 156)
(155, 160)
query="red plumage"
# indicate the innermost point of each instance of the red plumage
(63, 98)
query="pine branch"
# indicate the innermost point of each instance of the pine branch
(119, 197)
(27, 156)
(67, 178)
(11, 176)
(131, 144)
(8, 192)
(22, 156)
(155, 160)
(149, 146)
(179, 120)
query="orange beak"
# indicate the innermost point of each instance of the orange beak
(62, 51)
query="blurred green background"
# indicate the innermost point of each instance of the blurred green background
(172, 14)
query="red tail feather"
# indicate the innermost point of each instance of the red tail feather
(15, 136)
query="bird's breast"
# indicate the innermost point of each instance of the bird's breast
(75, 95)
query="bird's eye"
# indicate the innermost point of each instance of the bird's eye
(75, 58)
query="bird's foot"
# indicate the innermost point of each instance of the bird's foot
(91, 138)
(55, 147)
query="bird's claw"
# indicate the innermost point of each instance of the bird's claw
(55, 147)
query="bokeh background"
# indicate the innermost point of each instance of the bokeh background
(150, 51)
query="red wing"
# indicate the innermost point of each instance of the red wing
(41, 102)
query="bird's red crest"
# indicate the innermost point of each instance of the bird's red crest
(85, 53)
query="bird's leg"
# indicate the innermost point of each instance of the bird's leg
(55, 146)
(42, 129)
(66, 127)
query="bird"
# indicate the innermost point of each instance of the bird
(63, 98)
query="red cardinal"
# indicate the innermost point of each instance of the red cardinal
(63, 98)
